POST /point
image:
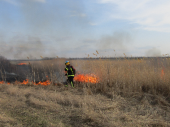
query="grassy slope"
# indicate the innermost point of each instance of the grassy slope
(57, 106)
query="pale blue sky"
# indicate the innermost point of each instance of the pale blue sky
(76, 28)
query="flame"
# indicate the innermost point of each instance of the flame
(86, 78)
(162, 73)
(2, 82)
(25, 82)
(45, 83)
(22, 64)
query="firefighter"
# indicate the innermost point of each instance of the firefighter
(70, 72)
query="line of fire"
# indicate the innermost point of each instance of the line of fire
(25, 73)
(17, 71)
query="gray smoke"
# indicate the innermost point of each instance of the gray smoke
(153, 52)
(55, 31)
(23, 47)
(42, 25)
(40, 19)
(118, 41)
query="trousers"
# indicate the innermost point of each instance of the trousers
(70, 80)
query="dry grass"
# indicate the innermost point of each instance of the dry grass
(54, 106)
(126, 76)
(130, 93)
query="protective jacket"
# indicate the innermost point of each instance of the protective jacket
(70, 71)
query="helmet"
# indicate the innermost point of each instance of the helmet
(67, 63)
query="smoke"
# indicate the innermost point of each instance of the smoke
(52, 28)
(48, 28)
(118, 41)
(153, 52)
(23, 47)
(55, 18)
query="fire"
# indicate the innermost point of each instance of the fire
(2, 82)
(25, 82)
(45, 83)
(162, 73)
(22, 64)
(86, 78)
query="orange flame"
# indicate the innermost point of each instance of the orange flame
(25, 82)
(86, 78)
(162, 73)
(22, 64)
(2, 82)
(45, 83)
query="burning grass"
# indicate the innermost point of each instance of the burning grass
(108, 92)
(127, 76)
(86, 78)
(22, 64)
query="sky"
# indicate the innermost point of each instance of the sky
(77, 28)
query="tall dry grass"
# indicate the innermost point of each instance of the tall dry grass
(127, 76)
(130, 93)
(122, 76)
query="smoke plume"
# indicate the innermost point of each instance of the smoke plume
(153, 52)
(52, 28)
(45, 32)
(118, 41)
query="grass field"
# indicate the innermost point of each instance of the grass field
(129, 93)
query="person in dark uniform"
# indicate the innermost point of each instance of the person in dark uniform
(70, 72)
